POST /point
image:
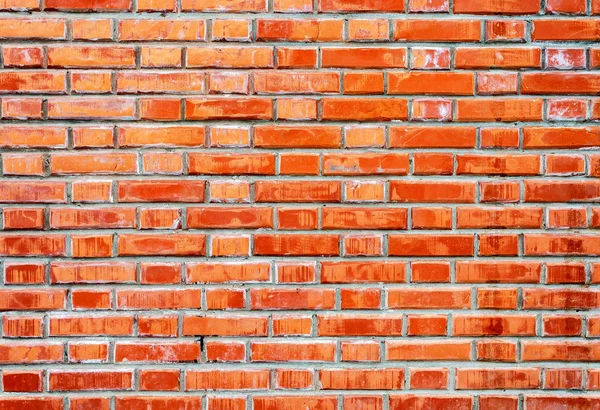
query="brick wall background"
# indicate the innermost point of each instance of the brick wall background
(288, 204)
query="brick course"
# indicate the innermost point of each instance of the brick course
(298, 204)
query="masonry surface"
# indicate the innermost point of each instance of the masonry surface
(288, 204)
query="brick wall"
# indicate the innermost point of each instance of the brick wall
(288, 204)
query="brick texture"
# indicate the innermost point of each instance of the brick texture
(299, 204)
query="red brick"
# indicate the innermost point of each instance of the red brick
(226, 380)
(424, 298)
(562, 83)
(430, 271)
(86, 380)
(431, 83)
(156, 299)
(296, 136)
(471, 58)
(500, 110)
(365, 379)
(437, 192)
(524, 378)
(88, 352)
(504, 30)
(163, 380)
(149, 402)
(298, 245)
(32, 82)
(359, 325)
(431, 245)
(90, 326)
(429, 30)
(91, 57)
(427, 325)
(285, 352)
(440, 402)
(22, 326)
(225, 351)
(499, 217)
(498, 272)
(488, 325)
(419, 350)
(363, 57)
(360, 5)
(225, 325)
(294, 402)
(434, 58)
(231, 6)
(297, 191)
(159, 326)
(363, 272)
(430, 379)
(372, 109)
(89, 5)
(432, 137)
(493, 7)
(165, 30)
(229, 57)
(496, 351)
(35, 28)
(157, 352)
(291, 82)
(220, 109)
(22, 381)
(498, 402)
(368, 351)
(32, 403)
(492, 298)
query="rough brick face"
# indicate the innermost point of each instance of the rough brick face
(298, 204)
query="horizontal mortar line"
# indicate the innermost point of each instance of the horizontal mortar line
(145, 177)
(591, 232)
(130, 97)
(301, 16)
(265, 313)
(292, 286)
(390, 178)
(258, 258)
(302, 123)
(318, 366)
(308, 393)
(288, 341)
(349, 205)
(205, 41)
